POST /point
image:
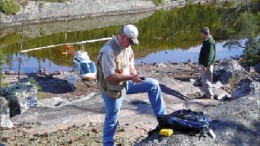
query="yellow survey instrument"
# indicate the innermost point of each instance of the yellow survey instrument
(166, 132)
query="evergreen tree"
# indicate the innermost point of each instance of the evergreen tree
(249, 31)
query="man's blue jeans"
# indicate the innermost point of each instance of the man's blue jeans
(112, 106)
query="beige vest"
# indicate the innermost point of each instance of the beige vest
(111, 89)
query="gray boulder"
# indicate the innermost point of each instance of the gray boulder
(257, 68)
(230, 72)
(219, 92)
(255, 88)
(20, 97)
(5, 120)
(246, 87)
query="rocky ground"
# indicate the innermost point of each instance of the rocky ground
(67, 117)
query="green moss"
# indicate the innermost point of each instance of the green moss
(9, 7)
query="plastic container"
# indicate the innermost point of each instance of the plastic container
(166, 132)
(31, 101)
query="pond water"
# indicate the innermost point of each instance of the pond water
(179, 55)
(165, 36)
(176, 55)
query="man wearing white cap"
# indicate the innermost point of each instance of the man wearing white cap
(117, 77)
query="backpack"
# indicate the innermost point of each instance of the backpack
(189, 121)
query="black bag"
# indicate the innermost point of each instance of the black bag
(189, 121)
(186, 121)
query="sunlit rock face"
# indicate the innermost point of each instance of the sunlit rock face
(5, 121)
(15, 100)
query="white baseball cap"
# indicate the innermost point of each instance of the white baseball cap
(131, 32)
(205, 30)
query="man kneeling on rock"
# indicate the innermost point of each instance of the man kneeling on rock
(117, 77)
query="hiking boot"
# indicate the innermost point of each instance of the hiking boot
(162, 123)
(156, 130)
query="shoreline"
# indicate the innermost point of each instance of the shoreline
(139, 62)
(44, 12)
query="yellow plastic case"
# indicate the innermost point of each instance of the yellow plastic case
(166, 132)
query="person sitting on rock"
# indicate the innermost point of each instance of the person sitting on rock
(116, 76)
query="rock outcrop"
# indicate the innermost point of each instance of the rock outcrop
(15, 100)
(39, 11)
(230, 72)
(5, 114)
(257, 68)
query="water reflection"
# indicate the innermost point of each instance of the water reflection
(174, 30)
(179, 55)
(175, 55)
(33, 65)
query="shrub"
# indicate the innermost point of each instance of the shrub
(252, 45)
(249, 26)
(34, 82)
(252, 54)
(9, 6)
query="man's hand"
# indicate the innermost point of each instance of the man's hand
(204, 68)
(136, 78)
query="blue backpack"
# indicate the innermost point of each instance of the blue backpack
(188, 121)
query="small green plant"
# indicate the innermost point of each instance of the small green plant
(40, 95)
(60, 1)
(6, 84)
(252, 55)
(9, 7)
(158, 2)
(35, 83)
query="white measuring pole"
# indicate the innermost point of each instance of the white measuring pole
(78, 43)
